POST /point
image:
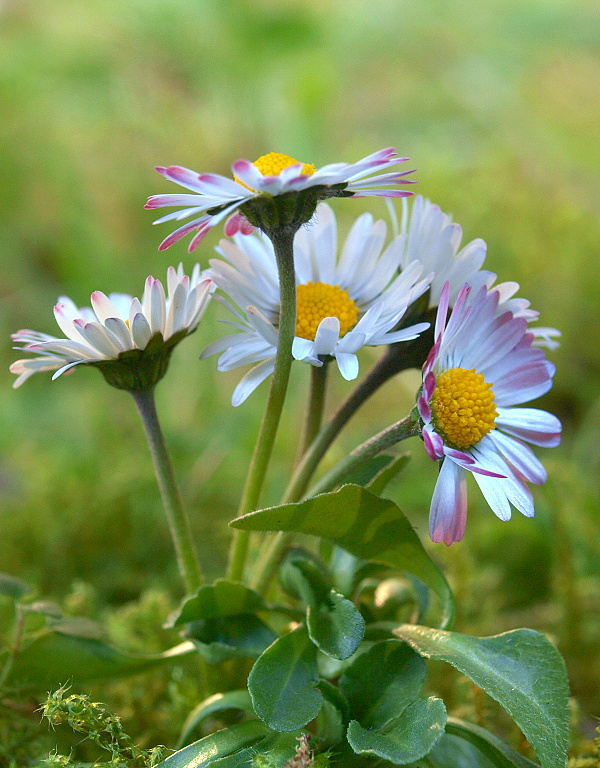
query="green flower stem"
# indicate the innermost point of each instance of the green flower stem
(408, 427)
(282, 240)
(178, 521)
(275, 545)
(397, 357)
(15, 646)
(315, 405)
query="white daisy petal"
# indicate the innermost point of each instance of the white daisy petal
(301, 348)
(348, 365)
(328, 334)
(251, 380)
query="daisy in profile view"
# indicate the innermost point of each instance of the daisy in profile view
(273, 191)
(342, 304)
(480, 369)
(130, 341)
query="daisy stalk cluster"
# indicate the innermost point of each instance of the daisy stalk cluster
(318, 653)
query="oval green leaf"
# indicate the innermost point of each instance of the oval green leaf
(223, 598)
(360, 522)
(410, 737)
(382, 682)
(282, 682)
(231, 637)
(521, 670)
(335, 626)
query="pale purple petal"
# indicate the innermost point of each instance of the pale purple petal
(530, 424)
(520, 456)
(448, 512)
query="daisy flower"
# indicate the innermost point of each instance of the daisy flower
(130, 341)
(431, 236)
(256, 184)
(342, 305)
(482, 365)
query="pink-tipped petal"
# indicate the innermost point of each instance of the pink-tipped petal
(448, 512)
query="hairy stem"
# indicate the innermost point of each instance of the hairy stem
(283, 244)
(178, 521)
(315, 406)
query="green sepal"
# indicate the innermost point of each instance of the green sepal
(220, 744)
(219, 702)
(288, 211)
(382, 682)
(12, 587)
(407, 738)
(140, 369)
(520, 669)
(366, 525)
(53, 657)
(282, 682)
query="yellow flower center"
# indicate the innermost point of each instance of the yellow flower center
(273, 163)
(315, 301)
(463, 407)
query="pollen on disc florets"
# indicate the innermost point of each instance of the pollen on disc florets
(315, 301)
(273, 163)
(463, 407)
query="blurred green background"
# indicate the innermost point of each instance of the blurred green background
(496, 104)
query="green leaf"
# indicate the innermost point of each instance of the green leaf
(369, 469)
(46, 608)
(452, 752)
(335, 626)
(54, 658)
(282, 682)
(218, 703)
(385, 476)
(499, 753)
(304, 577)
(365, 525)
(223, 598)
(334, 623)
(408, 738)
(218, 745)
(231, 637)
(13, 587)
(335, 697)
(521, 670)
(382, 682)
